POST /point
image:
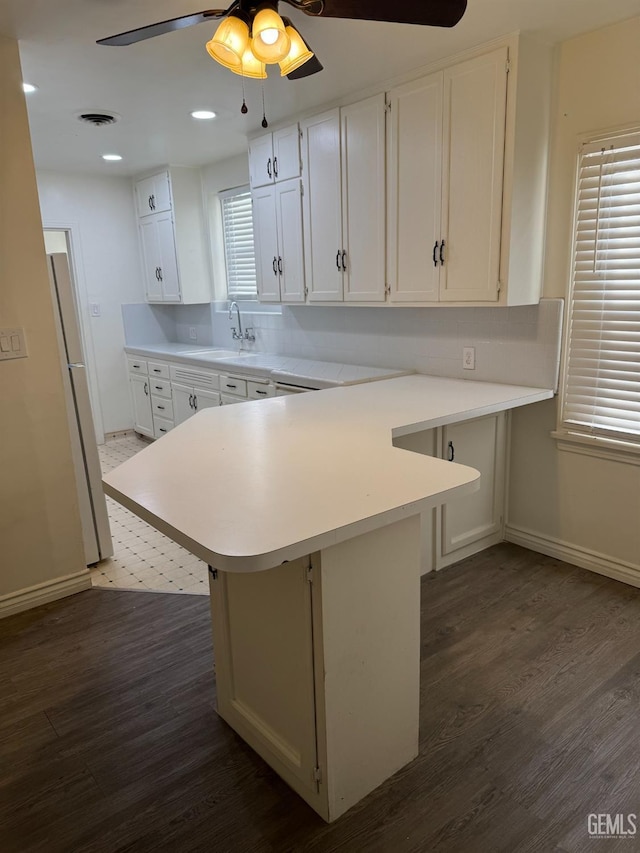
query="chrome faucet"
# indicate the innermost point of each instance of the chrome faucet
(236, 331)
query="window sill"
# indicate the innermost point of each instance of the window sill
(626, 452)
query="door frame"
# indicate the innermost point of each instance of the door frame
(79, 284)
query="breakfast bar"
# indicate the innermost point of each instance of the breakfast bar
(309, 519)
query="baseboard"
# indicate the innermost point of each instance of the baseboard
(601, 563)
(43, 593)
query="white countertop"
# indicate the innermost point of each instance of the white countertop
(294, 371)
(247, 487)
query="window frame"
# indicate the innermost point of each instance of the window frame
(223, 195)
(625, 446)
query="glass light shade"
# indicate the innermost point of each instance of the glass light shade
(299, 53)
(250, 66)
(229, 43)
(271, 43)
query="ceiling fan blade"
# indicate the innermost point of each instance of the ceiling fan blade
(152, 30)
(311, 66)
(431, 13)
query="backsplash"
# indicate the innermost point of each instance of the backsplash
(520, 345)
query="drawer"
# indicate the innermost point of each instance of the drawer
(228, 399)
(162, 407)
(159, 370)
(160, 388)
(136, 365)
(260, 390)
(161, 426)
(200, 377)
(230, 385)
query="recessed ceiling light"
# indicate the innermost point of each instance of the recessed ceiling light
(28, 88)
(203, 114)
(111, 157)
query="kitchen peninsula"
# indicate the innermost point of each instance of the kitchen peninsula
(309, 518)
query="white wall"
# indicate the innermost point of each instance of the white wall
(101, 216)
(40, 533)
(583, 508)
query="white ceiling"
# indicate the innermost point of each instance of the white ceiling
(155, 84)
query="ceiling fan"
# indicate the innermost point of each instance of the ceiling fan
(254, 35)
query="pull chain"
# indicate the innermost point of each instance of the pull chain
(265, 123)
(244, 109)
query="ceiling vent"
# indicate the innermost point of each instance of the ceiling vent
(98, 119)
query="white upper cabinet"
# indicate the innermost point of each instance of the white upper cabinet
(343, 158)
(173, 237)
(363, 199)
(277, 230)
(322, 205)
(274, 157)
(466, 163)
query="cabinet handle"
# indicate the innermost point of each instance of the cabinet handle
(157, 370)
(269, 172)
(160, 407)
(150, 204)
(158, 387)
(191, 401)
(195, 402)
(136, 366)
(338, 261)
(280, 265)
(160, 274)
(275, 166)
(435, 251)
(452, 452)
(344, 261)
(161, 429)
(146, 389)
(262, 393)
(275, 265)
(229, 385)
(153, 202)
(442, 253)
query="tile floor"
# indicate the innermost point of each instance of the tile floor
(144, 559)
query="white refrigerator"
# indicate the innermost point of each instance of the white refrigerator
(93, 506)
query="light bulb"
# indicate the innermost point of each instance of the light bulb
(269, 36)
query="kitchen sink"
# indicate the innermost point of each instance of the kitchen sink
(215, 353)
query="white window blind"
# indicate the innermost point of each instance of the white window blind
(601, 388)
(237, 223)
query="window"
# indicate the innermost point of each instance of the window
(237, 226)
(601, 383)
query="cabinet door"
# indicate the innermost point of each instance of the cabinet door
(363, 200)
(168, 262)
(481, 445)
(290, 240)
(286, 153)
(261, 161)
(204, 399)
(265, 238)
(144, 196)
(151, 258)
(322, 207)
(162, 192)
(473, 161)
(141, 404)
(414, 161)
(182, 402)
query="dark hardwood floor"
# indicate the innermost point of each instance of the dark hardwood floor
(530, 717)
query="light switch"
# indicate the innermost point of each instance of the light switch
(94, 309)
(12, 344)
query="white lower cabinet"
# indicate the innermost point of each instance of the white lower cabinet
(473, 522)
(141, 404)
(189, 399)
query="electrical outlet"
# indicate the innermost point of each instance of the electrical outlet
(469, 358)
(193, 334)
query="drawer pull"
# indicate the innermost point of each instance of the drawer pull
(262, 393)
(161, 429)
(136, 366)
(158, 387)
(229, 385)
(157, 370)
(160, 407)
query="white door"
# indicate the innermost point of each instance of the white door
(182, 402)
(151, 258)
(322, 207)
(363, 200)
(479, 444)
(288, 203)
(169, 279)
(265, 236)
(414, 163)
(473, 161)
(261, 161)
(204, 399)
(286, 153)
(141, 404)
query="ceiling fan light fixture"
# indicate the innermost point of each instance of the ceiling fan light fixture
(271, 43)
(230, 42)
(251, 65)
(299, 52)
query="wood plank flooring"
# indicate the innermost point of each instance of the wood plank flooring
(530, 711)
